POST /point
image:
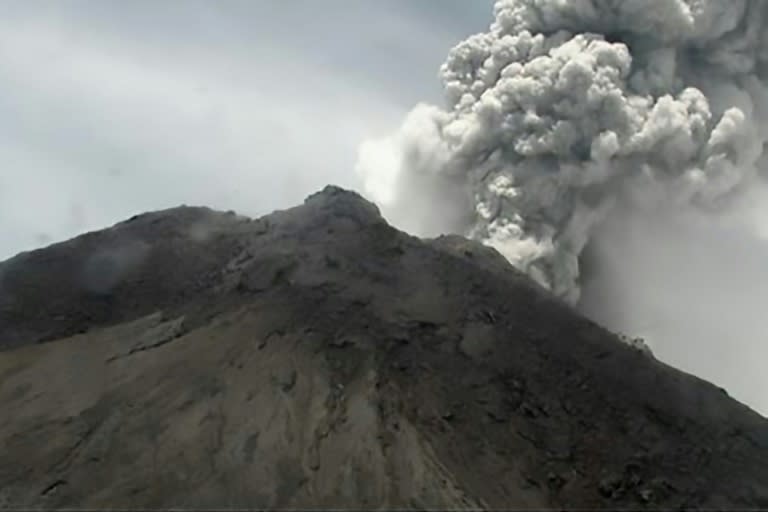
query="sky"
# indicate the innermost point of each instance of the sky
(113, 108)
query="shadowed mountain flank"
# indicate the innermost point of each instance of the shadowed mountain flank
(318, 357)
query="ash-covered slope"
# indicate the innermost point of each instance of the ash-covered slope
(317, 357)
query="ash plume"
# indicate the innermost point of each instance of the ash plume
(563, 110)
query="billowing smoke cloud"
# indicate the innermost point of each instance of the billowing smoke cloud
(564, 110)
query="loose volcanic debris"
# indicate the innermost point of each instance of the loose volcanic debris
(317, 357)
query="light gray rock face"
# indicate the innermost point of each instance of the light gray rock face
(319, 358)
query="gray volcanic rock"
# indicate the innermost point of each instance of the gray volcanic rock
(318, 357)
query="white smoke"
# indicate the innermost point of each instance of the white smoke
(564, 110)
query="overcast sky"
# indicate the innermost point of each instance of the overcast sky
(111, 108)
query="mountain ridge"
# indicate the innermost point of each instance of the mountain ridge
(318, 357)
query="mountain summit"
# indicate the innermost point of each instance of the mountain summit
(318, 357)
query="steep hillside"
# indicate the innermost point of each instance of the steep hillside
(317, 357)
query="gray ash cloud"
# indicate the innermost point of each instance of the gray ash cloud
(563, 110)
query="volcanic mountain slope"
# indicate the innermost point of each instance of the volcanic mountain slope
(318, 357)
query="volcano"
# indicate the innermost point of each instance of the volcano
(317, 357)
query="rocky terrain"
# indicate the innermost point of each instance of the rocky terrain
(318, 357)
